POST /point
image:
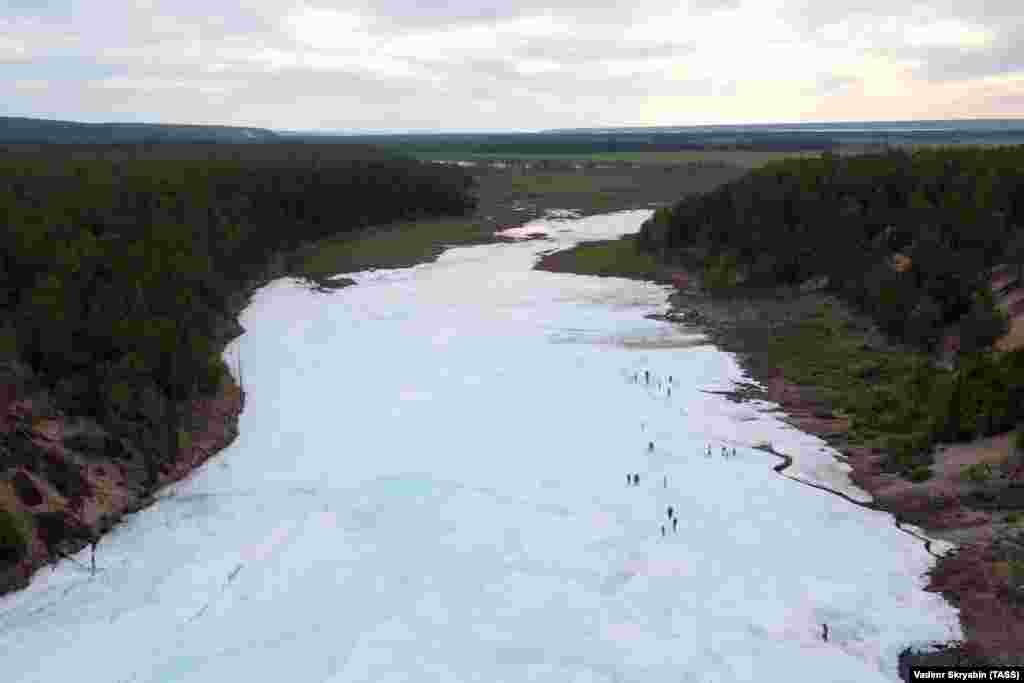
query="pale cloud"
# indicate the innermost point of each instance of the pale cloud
(506, 64)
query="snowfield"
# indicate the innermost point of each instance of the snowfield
(430, 485)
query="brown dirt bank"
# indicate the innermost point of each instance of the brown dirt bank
(977, 577)
(73, 481)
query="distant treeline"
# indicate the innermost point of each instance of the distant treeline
(30, 130)
(118, 265)
(585, 143)
(909, 238)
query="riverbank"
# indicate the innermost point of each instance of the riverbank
(509, 196)
(68, 481)
(806, 351)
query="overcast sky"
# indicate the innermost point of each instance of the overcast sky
(509, 64)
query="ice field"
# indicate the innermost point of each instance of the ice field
(430, 485)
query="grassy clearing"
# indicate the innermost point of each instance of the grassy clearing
(882, 388)
(543, 184)
(609, 258)
(397, 245)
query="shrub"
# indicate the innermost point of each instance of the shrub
(719, 273)
(1014, 517)
(908, 451)
(1018, 439)
(978, 473)
(14, 535)
(919, 473)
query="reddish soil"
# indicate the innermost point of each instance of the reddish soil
(102, 484)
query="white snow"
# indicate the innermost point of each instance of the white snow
(430, 485)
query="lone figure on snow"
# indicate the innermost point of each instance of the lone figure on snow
(824, 632)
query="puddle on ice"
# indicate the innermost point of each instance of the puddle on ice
(429, 484)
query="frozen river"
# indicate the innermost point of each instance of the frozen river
(430, 485)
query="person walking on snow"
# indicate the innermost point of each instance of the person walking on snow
(669, 512)
(650, 446)
(675, 524)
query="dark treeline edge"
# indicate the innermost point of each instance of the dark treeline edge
(911, 239)
(121, 266)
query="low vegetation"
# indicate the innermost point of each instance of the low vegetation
(616, 258)
(14, 536)
(395, 245)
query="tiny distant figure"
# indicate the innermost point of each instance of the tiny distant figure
(670, 511)
(650, 446)
(670, 379)
(636, 479)
(647, 376)
(93, 556)
(675, 524)
(643, 426)
(666, 481)
(824, 632)
(707, 453)
(629, 480)
(734, 452)
(663, 531)
(670, 392)
(724, 452)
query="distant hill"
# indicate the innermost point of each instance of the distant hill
(28, 130)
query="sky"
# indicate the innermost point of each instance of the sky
(509, 64)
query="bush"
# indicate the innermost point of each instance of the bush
(919, 473)
(719, 273)
(978, 473)
(1018, 439)
(908, 451)
(14, 535)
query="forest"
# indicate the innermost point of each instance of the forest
(119, 264)
(908, 237)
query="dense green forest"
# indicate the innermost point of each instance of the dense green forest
(910, 238)
(118, 265)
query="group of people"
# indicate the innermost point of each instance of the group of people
(725, 452)
(635, 378)
(633, 479)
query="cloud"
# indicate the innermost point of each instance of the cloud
(461, 64)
